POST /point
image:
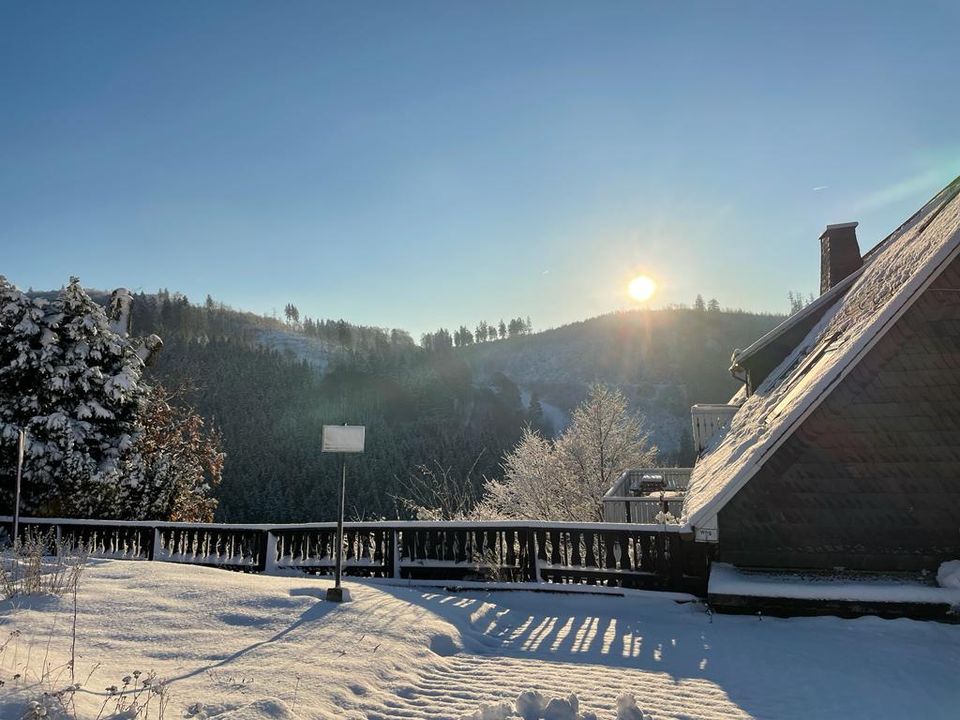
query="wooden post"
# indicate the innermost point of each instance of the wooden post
(533, 567)
(21, 439)
(395, 553)
(676, 563)
(270, 559)
(155, 544)
(661, 560)
(264, 542)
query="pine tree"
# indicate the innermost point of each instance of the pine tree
(698, 304)
(25, 344)
(502, 329)
(75, 389)
(536, 419)
(95, 398)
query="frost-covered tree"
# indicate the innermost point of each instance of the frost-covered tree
(27, 349)
(566, 479)
(603, 440)
(534, 484)
(89, 396)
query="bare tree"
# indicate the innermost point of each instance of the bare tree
(434, 492)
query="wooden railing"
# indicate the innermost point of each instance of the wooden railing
(707, 421)
(632, 498)
(652, 557)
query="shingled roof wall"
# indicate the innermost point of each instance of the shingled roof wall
(871, 479)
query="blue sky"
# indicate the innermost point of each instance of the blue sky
(423, 164)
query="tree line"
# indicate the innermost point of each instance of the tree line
(442, 339)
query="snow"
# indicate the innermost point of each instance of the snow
(900, 270)
(948, 575)
(728, 580)
(237, 646)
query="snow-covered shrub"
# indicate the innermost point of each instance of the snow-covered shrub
(948, 574)
(665, 517)
(627, 708)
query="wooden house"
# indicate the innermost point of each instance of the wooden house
(843, 448)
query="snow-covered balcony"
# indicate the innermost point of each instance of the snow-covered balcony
(646, 495)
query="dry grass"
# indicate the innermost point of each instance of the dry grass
(40, 565)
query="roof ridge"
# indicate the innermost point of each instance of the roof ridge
(835, 293)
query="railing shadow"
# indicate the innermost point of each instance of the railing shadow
(667, 638)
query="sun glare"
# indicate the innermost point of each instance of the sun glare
(642, 288)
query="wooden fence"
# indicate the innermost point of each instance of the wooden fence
(651, 557)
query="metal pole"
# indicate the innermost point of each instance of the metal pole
(343, 491)
(21, 439)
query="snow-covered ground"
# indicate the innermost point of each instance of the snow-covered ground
(728, 580)
(240, 647)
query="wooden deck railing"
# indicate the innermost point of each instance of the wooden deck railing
(625, 502)
(652, 557)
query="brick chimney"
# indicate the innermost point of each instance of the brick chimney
(839, 254)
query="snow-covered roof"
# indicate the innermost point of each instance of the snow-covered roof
(900, 270)
(830, 297)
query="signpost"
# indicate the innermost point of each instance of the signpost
(341, 439)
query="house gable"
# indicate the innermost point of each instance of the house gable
(909, 261)
(871, 479)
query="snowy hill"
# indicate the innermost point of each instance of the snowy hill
(663, 360)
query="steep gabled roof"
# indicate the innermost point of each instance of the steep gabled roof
(768, 351)
(900, 270)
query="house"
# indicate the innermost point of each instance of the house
(842, 450)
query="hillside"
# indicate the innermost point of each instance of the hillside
(663, 360)
(269, 386)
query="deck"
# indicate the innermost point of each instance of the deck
(640, 495)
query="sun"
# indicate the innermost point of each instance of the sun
(642, 288)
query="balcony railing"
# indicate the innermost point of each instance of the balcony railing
(641, 494)
(707, 421)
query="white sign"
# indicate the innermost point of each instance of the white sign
(343, 438)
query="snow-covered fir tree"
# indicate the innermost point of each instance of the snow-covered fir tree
(100, 441)
(27, 346)
(76, 389)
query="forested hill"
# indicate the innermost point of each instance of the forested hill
(270, 385)
(663, 360)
